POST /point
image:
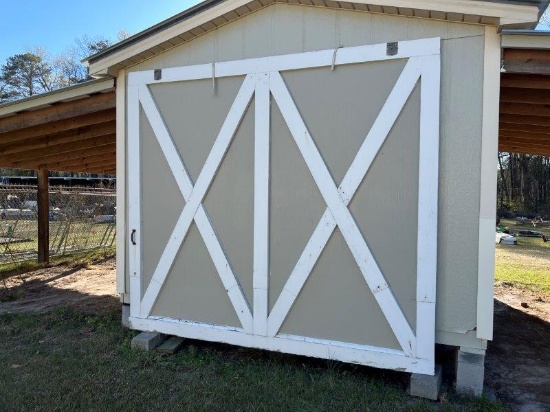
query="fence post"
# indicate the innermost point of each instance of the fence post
(43, 217)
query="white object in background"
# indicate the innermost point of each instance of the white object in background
(505, 239)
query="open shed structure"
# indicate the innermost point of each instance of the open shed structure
(72, 129)
(314, 177)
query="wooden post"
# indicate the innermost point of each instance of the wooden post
(43, 217)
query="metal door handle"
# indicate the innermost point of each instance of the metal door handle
(133, 237)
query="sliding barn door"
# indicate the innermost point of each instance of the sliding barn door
(290, 202)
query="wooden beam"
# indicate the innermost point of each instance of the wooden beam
(524, 119)
(58, 157)
(525, 142)
(88, 144)
(61, 111)
(526, 54)
(524, 128)
(525, 81)
(71, 136)
(43, 216)
(533, 66)
(526, 61)
(57, 126)
(110, 172)
(524, 150)
(70, 164)
(92, 157)
(89, 169)
(514, 134)
(107, 170)
(526, 109)
(530, 96)
(88, 163)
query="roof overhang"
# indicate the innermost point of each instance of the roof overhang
(525, 92)
(526, 51)
(71, 129)
(211, 14)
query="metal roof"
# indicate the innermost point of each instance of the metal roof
(526, 39)
(75, 92)
(163, 25)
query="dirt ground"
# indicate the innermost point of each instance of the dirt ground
(517, 363)
(90, 289)
(517, 366)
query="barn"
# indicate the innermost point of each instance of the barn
(314, 177)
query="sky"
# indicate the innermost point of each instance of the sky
(55, 24)
(545, 21)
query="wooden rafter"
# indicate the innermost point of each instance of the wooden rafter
(524, 109)
(523, 149)
(94, 160)
(525, 119)
(525, 81)
(525, 104)
(528, 96)
(61, 111)
(61, 149)
(74, 137)
(56, 127)
(527, 54)
(523, 135)
(526, 142)
(33, 163)
(107, 169)
(527, 61)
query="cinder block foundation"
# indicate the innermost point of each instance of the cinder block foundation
(470, 371)
(426, 386)
(126, 315)
(171, 345)
(147, 340)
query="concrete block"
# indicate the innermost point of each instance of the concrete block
(470, 372)
(147, 340)
(471, 358)
(469, 379)
(426, 386)
(126, 315)
(171, 345)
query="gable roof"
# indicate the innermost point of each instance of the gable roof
(211, 14)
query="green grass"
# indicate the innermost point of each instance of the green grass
(69, 361)
(527, 264)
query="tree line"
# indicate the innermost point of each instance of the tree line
(523, 185)
(35, 71)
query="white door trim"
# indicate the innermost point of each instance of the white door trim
(324, 58)
(193, 196)
(353, 178)
(340, 216)
(260, 329)
(261, 204)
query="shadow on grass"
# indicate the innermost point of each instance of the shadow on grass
(518, 359)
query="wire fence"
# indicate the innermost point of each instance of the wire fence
(80, 219)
